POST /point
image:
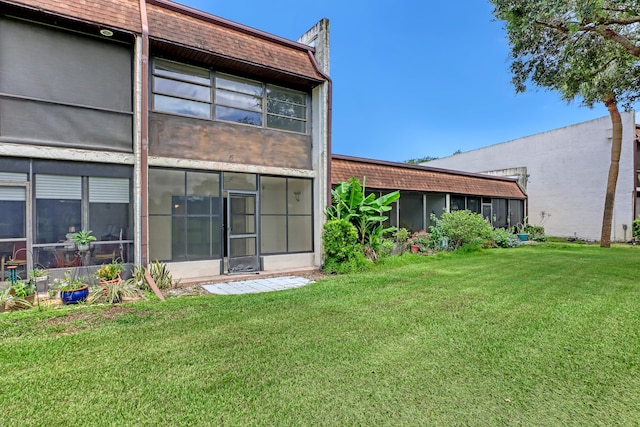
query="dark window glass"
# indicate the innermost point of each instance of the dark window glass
(286, 215)
(182, 89)
(457, 203)
(181, 106)
(285, 123)
(411, 211)
(184, 220)
(12, 223)
(238, 116)
(286, 109)
(473, 204)
(57, 218)
(179, 71)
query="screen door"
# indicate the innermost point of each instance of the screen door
(242, 236)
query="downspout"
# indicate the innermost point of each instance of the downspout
(329, 120)
(144, 152)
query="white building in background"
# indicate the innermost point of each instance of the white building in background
(564, 172)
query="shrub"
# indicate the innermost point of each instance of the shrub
(342, 253)
(635, 228)
(158, 271)
(505, 238)
(461, 227)
(386, 248)
(401, 236)
(535, 232)
(340, 239)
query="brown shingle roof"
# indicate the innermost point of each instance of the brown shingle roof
(191, 33)
(123, 14)
(226, 41)
(401, 176)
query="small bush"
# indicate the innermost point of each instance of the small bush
(535, 232)
(635, 228)
(460, 228)
(158, 271)
(342, 253)
(505, 238)
(386, 248)
(401, 236)
(340, 239)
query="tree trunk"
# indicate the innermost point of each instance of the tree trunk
(612, 180)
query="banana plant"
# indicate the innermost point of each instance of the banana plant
(365, 212)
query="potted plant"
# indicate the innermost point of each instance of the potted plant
(109, 273)
(39, 277)
(521, 231)
(83, 238)
(419, 241)
(72, 290)
(23, 294)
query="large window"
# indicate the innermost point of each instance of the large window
(184, 215)
(188, 90)
(238, 100)
(286, 109)
(13, 201)
(411, 211)
(65, 204)
(181, 89)
(286, 220)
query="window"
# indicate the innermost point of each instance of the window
(181, 89)
(238, 100)
(499, 213)
(286, 221)
(516, 212)
(13, 201)
(184, 215)
(411, 211)
(58, 207)
(65, 204)
(473, 204)
(286, 109)
(457, 203)
(188, 90)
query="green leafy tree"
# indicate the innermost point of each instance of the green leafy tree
(583, 48)
(366, 212)
(420, 160)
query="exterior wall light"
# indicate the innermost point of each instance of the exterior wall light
(106, 33)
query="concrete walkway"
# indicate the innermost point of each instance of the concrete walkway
(255, 286)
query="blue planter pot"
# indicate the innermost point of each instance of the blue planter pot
(523, 237)
(75, 296)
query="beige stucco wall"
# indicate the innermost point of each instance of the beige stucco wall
(567, 172)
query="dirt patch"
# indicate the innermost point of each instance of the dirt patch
(80, 320)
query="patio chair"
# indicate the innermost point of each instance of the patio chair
(18, 258)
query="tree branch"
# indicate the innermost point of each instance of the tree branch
(606, 32)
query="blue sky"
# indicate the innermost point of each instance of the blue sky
(415, 78)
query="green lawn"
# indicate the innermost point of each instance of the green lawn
(545, 335)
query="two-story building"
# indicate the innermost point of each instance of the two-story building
(172, 134)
